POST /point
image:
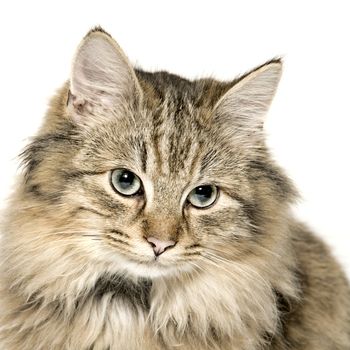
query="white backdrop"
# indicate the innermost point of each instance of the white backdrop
(308, 125)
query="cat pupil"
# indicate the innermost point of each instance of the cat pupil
(204, 193)
(126, 179)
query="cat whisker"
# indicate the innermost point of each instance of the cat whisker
(230, 262)
(91, 210)
(116, 240)
(244, 270)
(118, 232)
(196, 245)
(191, 253)
(92, 235)
(122, 248)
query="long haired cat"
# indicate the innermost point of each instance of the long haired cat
(150, 216)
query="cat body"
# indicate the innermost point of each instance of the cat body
(151, 216)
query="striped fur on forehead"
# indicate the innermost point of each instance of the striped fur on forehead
(175, 135)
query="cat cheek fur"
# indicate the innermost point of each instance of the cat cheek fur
(76, 270)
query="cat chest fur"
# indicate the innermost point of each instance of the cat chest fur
(119, 314)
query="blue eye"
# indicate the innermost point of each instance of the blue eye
(203, 196)
(125, 182)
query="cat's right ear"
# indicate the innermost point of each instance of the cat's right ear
(102, 79)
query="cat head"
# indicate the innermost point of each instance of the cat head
(151, 174)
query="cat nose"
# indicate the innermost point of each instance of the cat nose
(159, 246)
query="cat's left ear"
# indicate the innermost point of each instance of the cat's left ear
(102, 78)
(243, 106)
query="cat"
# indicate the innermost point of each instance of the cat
(150, 215)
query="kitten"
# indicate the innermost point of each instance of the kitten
(151, 216)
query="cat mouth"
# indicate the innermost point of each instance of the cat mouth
(156, 261)
(147, 265)
(150, 261)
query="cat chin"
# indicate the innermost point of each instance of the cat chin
(149, 269)
(155, 270)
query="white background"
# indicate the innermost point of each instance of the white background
(308, 124)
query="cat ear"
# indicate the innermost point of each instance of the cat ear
(102, 77)
(244, 106)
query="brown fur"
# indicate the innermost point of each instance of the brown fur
(76, 271)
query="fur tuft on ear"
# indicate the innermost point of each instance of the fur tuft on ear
(97, 29)
(102, 77)
(244, 106)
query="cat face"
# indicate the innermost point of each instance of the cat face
(179, 187)
(155, 175)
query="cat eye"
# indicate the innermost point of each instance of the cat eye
(203, 196)
(125, 182)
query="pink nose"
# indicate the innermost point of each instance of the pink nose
(159, 246)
